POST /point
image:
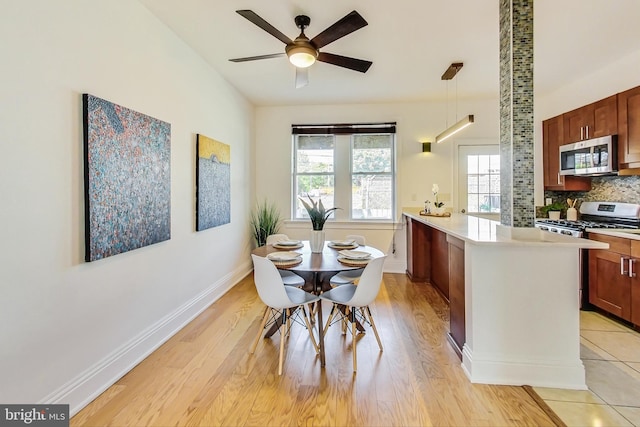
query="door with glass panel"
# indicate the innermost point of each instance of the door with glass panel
(479, 179)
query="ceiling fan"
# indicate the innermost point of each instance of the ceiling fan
(302, 52)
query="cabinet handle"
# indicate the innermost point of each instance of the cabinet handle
(622, 270)
(587, 132)
(559, 179)
(631, 273)
(581, 133)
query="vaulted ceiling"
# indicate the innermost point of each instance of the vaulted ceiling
(410, 42)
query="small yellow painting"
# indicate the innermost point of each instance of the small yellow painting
(213, 181)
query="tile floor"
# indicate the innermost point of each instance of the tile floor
(611, 355)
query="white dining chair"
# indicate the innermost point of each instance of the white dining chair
(289, 278)
(354, 298)
(280, 300)
(349, 276)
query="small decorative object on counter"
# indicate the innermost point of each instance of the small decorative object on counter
(427, 207)
(572, 212)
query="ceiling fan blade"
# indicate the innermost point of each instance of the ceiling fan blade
(302, 77)
(345, 61)
(253, 17)
(347, 25)
(253, 58)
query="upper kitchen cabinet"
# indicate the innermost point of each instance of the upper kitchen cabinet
(629, 128)
(552, 139)
(592, 121)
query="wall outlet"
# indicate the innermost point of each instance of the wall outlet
(548, 201)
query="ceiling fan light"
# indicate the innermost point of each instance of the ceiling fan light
(302, 56)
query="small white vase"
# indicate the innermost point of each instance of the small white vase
(438, 211)
(572, 214)
(317, 241)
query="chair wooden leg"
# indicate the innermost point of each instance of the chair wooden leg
(264, 322)
(313, 311)
(333, 312)
(310, 329)
(282, 339)
(353, 339)
(288, 331)
(373, 326)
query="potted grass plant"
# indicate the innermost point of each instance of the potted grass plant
(318, 215)
(265, 220)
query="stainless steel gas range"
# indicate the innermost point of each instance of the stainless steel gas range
(595, 215)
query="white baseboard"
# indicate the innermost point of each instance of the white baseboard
(565, 375)
(395, 266)
(85, 387)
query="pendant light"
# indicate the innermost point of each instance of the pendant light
(449, 74)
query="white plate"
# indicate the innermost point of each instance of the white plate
(288, 242)
(355, 254)
(283, 256)
(343, 242)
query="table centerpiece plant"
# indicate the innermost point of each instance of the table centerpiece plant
(318, 216)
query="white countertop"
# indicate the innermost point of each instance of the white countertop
(477, 230)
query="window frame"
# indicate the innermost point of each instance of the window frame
(343, 167)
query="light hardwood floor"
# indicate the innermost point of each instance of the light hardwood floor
(205, 376)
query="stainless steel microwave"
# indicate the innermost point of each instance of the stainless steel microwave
(598, 156)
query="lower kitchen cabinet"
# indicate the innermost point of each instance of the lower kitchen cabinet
(635, 282)
(456, 293)
(440, 262)
(436, 257)
(614, 285)
(418, 251)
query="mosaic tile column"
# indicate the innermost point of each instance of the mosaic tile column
(516, 113)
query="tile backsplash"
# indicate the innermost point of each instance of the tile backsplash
(603, 189)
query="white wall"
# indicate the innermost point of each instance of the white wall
(417, 171)
(70, 327)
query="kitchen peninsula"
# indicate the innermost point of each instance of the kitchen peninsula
(513, 295)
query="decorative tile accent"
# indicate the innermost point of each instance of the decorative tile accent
(516, 113)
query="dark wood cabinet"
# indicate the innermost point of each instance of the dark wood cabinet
(552, 139)
(635, 282)
(457, 332)
(435, 257)
(440, 262)
(418, 251)
(609, 281)
(591, 121)
(629, 128)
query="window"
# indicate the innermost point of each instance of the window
(479, 178)
(371, 177)
(349, 166)
(314, 171)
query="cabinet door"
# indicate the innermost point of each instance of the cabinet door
(418, 251)
(605, 118)
(576, 123)
(457, 329)
(608, 289)
(440, 262)
(635, 282)
(552, 138)
(629, 128)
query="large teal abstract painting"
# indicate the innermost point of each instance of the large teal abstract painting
(127, 179)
